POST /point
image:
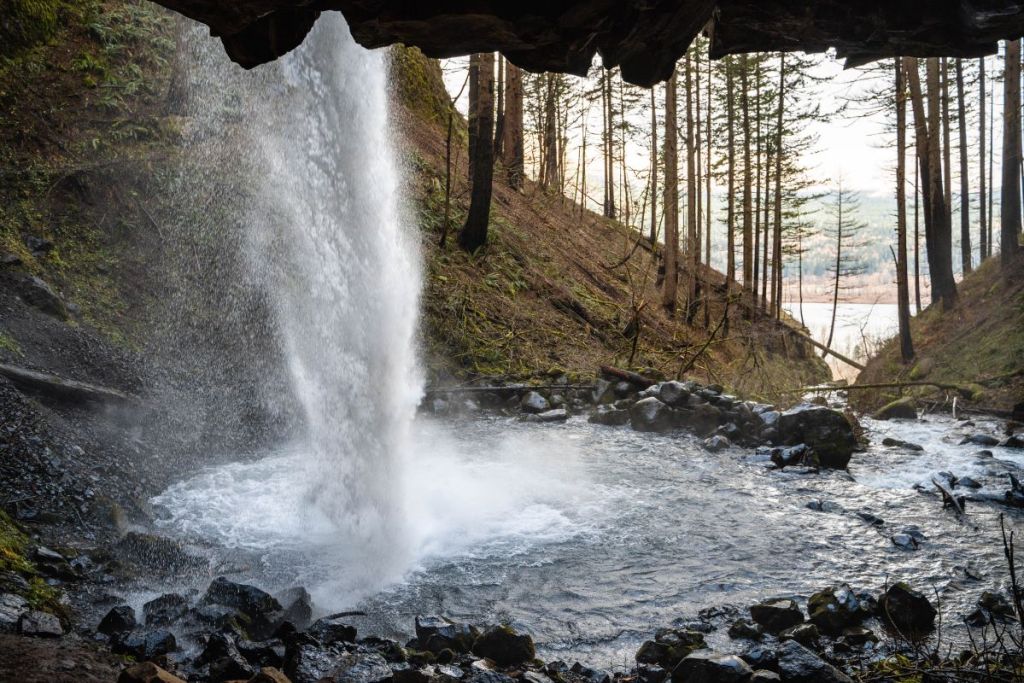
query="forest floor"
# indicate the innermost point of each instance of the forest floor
(978, 345)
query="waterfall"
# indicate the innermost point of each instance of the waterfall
(325, 246)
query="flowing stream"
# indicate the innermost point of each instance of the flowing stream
(588, 537)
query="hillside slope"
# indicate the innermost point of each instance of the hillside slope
(556, 288)
(978, 346)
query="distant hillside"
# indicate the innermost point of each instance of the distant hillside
(556, 288)
(979, 345)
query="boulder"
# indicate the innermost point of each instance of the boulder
(308, 662)
(144, 646)
(787, 457)
(897, 443)
(705, 666)
(118, 620)
(776, 615)
(504, 646)
(434, 634)
(797, 664)
(165, 610)
(744, 628)
(827, 432)
(12, 606)
(669, 647)
(555, 415)
(225, 662)
(359, 667)
(40, 624)
(716, 443)
(806, 634)
(147, 672)
(298, 606)
(269, 674)
(673, 393)
(263, 652)
(996, 605)
(650, 673)
(857, 636)
(609, 416)
(651, 415)
(764, 676)
(333, 630)
(262, 610)
(980, 440)
(834, 609)
(534, 403)
(907, 610)
(38, 294)
(900, 409)
(1013, 441)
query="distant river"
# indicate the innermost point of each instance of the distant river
(860, 328)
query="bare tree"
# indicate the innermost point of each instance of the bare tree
(1009, 209)
(965, 194)
(512, 129)
(902, 289)
(671, 252)
(474, 233)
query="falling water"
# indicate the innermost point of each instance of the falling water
(326, 245)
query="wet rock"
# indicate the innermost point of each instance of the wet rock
(263, 611)
(504, 646)
(827, 432)
(705, 666)
(760, 657)
(907, 610)
(11, 608)
(225, 662)
(825, 506)
(669, 647)
(650, 673)
(805, 634)
(53, 564)
(40, 624)
(532, 402)
(156, 553)
(787, 457)
(610, 416)
(702, 419)
(897, 443)
(298, 606)
(996, 606)
(716, 443)
(485, 676)
(871, 518)
(744, 628)
(980, 440)
(359, 667)
(308, 662)
(269, 674)
(333, 630)
(651, 415)
(764, 676)
(37, 293)
(776, 615)
(834, 609)
(262, 653)
(435, 634)
(556, 415)
(623, 389)
(673, 393)
(144, 645)
(968, 483)
(147, 672)
(900, 409)
(603, 392)
(1013, 441)
(118, 620)
(165, 610)
(905, 541)
(797, 664)
(38, 245)
(857, 636)
(217, 617)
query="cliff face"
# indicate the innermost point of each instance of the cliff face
(644, 37)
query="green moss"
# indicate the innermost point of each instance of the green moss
(14, 546)
(24, 23)
(420, 86)
(9, 344)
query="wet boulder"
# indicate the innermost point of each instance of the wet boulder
(980, 440)
(776, 615)
(359, 667)
(269, 674)
(504, 646)
(705, 666)
(118, 620)
(146, 645)
(609, 416)
(306, 661)
(533, 403)
(788, 457)
(716, 443)
(834, 609)
(298, 606)
(435, 634)
(165, 610)
(651, 415)
(554, 415)
(333, 630)
(673, 393)
(12, 606)
(797, 664)
(669, 647)
(224, 660)
(907, 610)
(650, 673)
(856, 636)
(263, 652)
(806, 634)
(764, 676)
(898, 443)
(40, 624)
(745, 628)
(39, 294)
(1013, 441)
(900, 409)
(263, 611)
(827, 432)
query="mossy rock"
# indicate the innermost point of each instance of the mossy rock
(902, 409)
(24, 23)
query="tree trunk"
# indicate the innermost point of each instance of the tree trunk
(757, 182)
(902, 290)
(609, 148)
(839, 261)
(473, 112)
(654, 174)
(917, 237)
(474, 233)
(777, 246)
(748, 242)
(707, 190)
(947, 171)
(982, 214)
(730, 212)
(1009, 233)
(499, 116)
(671, 253)
(991, 167)
(550, 177)
(965, 194)
(512, 131)
(691, 199)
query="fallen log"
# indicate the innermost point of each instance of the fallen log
(627, 376)
(963, 391)
(434, 391)
(61, 389)
(949, 499)
(826, 349)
